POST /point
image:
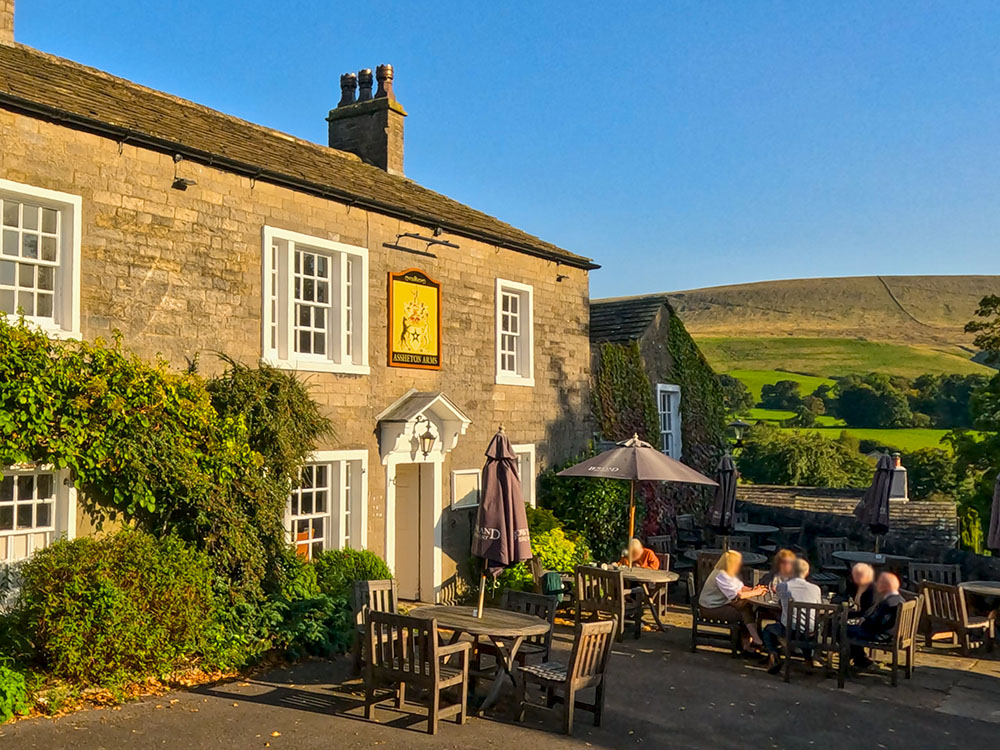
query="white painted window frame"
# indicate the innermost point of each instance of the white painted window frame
(278, 283)
(65, 324)
(528, 482)
(455, 504)
(675, 428)
(335, 533)
(63, 513)
(526, 336)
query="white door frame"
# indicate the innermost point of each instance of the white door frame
(431, 555)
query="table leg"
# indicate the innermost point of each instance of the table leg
(505, 669)
(653, 602)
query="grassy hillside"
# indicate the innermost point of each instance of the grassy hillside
(904, 440)
(829, 357)
(757, 379)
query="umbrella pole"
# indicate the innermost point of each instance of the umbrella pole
(482, 590)
(631, 522)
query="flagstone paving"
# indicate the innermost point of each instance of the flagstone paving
(660, 695)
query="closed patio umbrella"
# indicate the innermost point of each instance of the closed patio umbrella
(635, 460)
(993, 538)
(874, 506)
(500, 537)
(723, 514)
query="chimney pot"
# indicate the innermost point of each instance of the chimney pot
(365, 85)
(384, 75)
(348, 88)
(6, 21)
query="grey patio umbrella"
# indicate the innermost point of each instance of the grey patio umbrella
(874, 506)
(993, 538)
(635, 460)
(500, 537)
(723, 514)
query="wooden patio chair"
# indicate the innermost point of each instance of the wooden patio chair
(741, 517)
(946, 612)
(688, 534)
(918, 572)
(587, 667)
(703, 567)
(536, 646)
(901, 640)
(661, 544)
(406, 651)
(706, 629)
(601, 594)
(549, 582)
(820, 628)
(367, 597)
(788, 537)
(831, 573)
(738, 543)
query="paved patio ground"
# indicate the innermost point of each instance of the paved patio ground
(661, 695)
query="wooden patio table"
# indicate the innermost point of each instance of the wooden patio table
(749, 558)
(652, 584)
(983, 588)
(505, 629)
(755, 529)
(875, 559)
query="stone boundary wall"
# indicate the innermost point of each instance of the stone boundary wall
(928, 530)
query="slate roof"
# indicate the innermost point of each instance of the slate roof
(623, 318)
(88, 99)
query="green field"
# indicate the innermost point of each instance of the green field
(828, 357)
(779, 415)
(757, 379)
(904, 440)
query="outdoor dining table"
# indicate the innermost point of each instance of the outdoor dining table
(749, 558)
(875, 559)
(505, 629)
(652, 584)
(755, 529)
(988, 590)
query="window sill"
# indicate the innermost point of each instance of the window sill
(49, 329)
(311, 365)
(507, 379)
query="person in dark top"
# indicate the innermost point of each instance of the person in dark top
(876, 624)
(860, 592)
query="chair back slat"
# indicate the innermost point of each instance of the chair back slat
(664, 560)
(537, 605)
(740, 543)
(374, 596)
(919, 572)
(741, 517)
(661, 545)
(591, 650)
(826, 546)
(600, 592)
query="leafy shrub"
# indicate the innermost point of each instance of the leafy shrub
(337, 570)
(555, 550)
(806, 459)
(13, 693)
(122, 607)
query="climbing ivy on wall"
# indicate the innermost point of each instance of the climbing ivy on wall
(623, 396)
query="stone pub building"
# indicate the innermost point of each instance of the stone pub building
(420, 324)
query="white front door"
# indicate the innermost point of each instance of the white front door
(408, 530)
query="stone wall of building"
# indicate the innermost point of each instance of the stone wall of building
(6, 21)
(179, 274)
(927, 530)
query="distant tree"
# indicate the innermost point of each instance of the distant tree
(773, 456)
(804, 417)
(872, 401)
(784, 394)
(931, 474)
(987, 329)
(737, 397)
(985, 406)
(945, 399)
(815, 405)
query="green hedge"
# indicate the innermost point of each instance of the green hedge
(13, 693)
(123, 607)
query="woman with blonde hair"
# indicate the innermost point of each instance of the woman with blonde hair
(724, 597)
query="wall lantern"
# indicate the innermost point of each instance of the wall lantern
(737, 429)
(427, 438)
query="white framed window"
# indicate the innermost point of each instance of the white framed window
(36, 508)
(315, 303)
(329, 508)
(514, 333)
(527, 470)
(668, 405)
(40, 257)
(466, 488)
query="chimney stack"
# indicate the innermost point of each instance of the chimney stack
(6, 21)
(372, 126)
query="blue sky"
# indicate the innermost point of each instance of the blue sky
(679, 144)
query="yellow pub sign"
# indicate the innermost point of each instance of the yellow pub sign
(414, 320)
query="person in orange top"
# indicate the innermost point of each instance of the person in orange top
(641, 556)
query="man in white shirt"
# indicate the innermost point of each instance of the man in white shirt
(797, 589)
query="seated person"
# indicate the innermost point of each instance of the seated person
(784, 569)
(796, 589)
(641, 557)
(876, 625)
(860, 591)
(724, 597)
